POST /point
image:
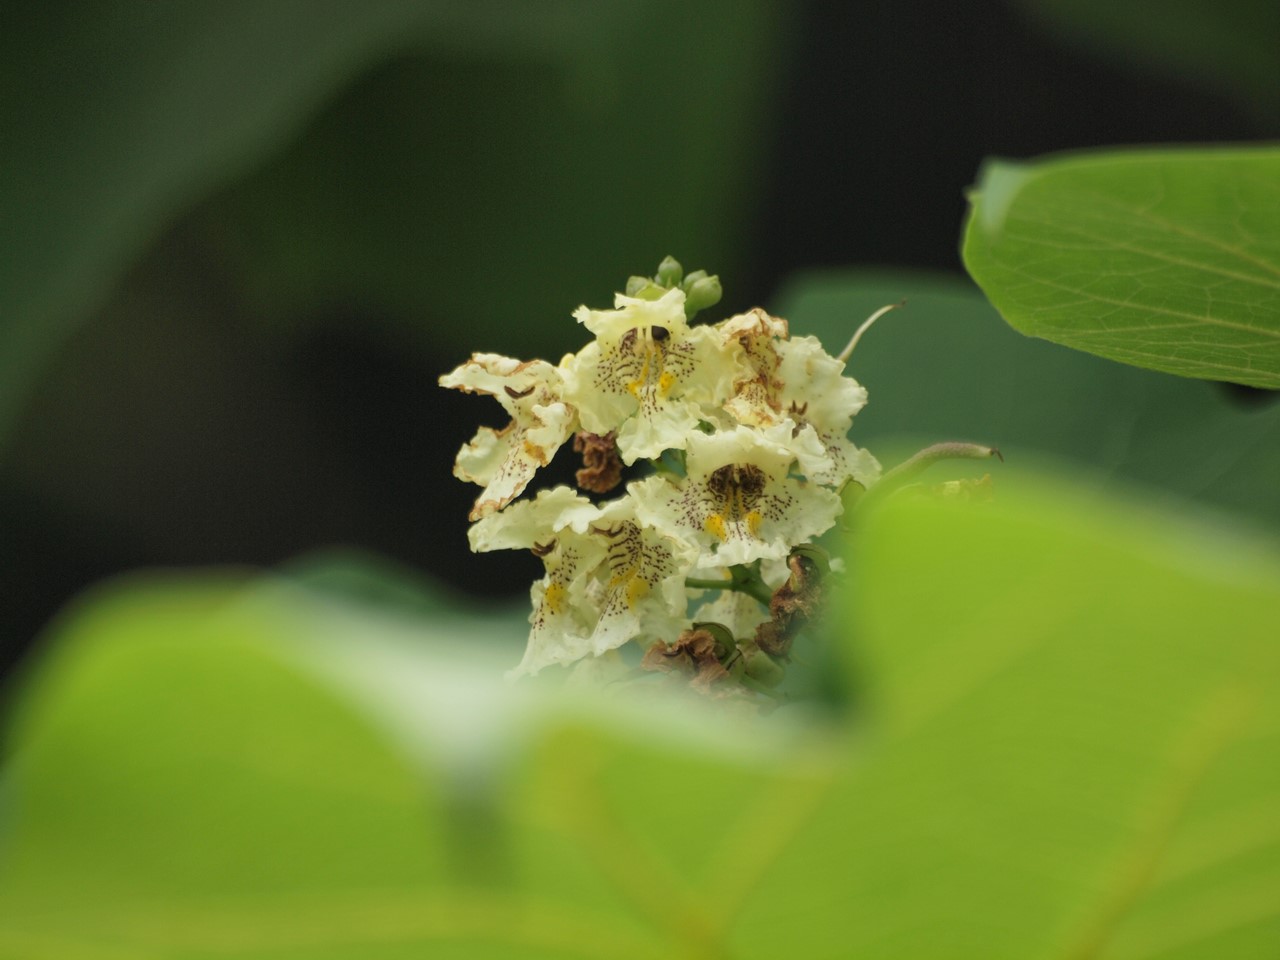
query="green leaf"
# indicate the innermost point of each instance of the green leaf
(1073, 717)
(1167, 259)
(1073, 711)
(945, 367)
(1076, 714)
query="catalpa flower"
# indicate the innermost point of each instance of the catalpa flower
(795, 380)
(739, 501)
(504, 461)
(640, 588)
(554, 526)
(607, 578)
(747, 430)
(647, 375)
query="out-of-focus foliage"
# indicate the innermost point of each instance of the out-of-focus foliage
(1168, 259)
(120, 117)
(1068, 751)
(1226, 44)
(946, 366)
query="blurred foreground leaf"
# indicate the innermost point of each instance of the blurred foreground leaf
(1073, 713)
(1078, 712)
(945, 367)
(1168, 259)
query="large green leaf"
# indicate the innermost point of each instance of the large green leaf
(1077, 706)
(1168, 259)
(945, 367)
(1074, 710)
(1072, 724)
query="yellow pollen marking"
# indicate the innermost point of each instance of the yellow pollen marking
(641, 379)
(714, 525)
(535, 452)
(665, 383)
(753, 522)
(637, 590)
(554, 597)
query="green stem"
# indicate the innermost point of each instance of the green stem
(757, 589)
(747, 582)
(913, 466)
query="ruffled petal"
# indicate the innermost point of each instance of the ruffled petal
(739, 501)
(530, 524)
(504, 461)
(648, 375)
(641, 584)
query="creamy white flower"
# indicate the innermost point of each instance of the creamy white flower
(554, 526)
(648, 375)
(640, 587)
(563, 621)
(525, 524)
(817, 395)
(608, 579)
(757, 387)
(739, 501)
(795, 380)
(504, 461)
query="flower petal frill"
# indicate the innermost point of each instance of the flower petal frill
(608, 578)
(796, 380)
(554, 526)
(504, 461)
(739, 501)
(648, 374)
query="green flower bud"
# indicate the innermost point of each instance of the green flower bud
(636, 284)
(702, 293)
(648, 290)
(670, 272)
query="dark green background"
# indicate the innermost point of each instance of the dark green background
(241, 240)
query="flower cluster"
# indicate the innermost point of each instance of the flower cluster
(744, 432)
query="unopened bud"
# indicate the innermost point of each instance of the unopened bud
(636, 284)
(647, 291)
(702, 293)
(670, 272)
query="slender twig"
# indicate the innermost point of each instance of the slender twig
(905, 472)
(844, 355)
